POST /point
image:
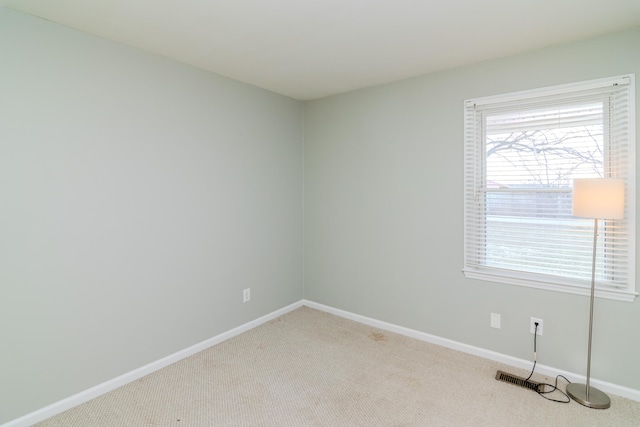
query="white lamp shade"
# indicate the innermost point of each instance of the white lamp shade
(598, 198)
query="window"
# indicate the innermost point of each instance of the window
(522, 152)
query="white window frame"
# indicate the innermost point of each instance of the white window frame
(475, 155)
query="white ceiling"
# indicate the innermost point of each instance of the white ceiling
(309, 49)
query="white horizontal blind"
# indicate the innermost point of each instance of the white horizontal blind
(522, 152)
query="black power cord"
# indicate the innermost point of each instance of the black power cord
(535, 352)
(554, 387)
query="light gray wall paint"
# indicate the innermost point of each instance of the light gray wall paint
(138, 197)
(384, 213)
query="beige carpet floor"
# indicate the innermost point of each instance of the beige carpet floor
(310, 368)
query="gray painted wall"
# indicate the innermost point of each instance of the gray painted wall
(139, 196)
(384, 213)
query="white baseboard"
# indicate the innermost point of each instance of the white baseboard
(100, 389)
(607, 387)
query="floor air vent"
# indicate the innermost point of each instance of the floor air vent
(519, 381)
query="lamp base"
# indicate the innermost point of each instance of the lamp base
(597, 399)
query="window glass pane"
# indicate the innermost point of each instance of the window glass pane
(532, 157)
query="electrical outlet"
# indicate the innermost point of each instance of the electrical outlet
(533, 326)
(246, 295)
(495, 321)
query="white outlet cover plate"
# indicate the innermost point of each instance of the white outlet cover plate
(533, 326)
(495, 321)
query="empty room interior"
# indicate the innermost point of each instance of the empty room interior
(173, 174)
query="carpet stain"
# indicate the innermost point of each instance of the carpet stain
(377, 336)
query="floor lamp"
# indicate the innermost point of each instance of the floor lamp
(595, 198)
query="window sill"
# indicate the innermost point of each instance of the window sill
(569, 288)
